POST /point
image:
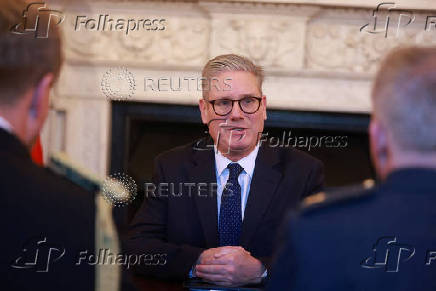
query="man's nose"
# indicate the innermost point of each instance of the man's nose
(236, 112)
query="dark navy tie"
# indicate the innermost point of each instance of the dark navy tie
(230, 219)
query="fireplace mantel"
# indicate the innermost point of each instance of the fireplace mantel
(315, 56)
(405, 4)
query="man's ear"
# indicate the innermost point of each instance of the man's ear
(203, 109)
(38, 107)
(378, 144)
(264, 107)
(39, 102)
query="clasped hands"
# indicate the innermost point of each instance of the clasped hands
(228, 266)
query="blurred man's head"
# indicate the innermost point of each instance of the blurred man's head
(28, 68)
(402, 129)
(230, 79)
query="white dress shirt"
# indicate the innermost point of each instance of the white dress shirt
(5, 125)
(244, 179)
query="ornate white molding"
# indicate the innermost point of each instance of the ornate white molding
(315, 56)
(406, 4)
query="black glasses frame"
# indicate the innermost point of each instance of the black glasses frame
(233, 103)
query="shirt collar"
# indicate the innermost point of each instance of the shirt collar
(5, 125)
(247, 162)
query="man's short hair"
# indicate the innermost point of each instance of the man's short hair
(404, 98)
(24, 59)
(230, 63)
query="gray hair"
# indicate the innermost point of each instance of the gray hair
(404, 97)
(233, 63)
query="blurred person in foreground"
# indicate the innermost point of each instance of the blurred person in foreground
(46, 220)
(382, 238)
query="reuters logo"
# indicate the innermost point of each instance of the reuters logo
(118, 84)
(119, 189)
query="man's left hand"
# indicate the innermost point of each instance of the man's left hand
(231, 269)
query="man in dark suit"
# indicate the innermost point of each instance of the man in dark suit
(213, 211)
(46, 220)
(381, 238)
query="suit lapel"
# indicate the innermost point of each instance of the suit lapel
(263, 185)
(202, 170)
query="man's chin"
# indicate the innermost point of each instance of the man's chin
(236, 148)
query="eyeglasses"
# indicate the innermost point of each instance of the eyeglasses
(247, 104)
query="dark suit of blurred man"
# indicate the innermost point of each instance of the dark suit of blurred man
(224, 236)
(382, 238)
(45, 220)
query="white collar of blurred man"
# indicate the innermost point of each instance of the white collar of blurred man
(237, 133)
(26, 115)
(4, 124)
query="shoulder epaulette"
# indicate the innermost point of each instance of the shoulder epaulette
(337, 195)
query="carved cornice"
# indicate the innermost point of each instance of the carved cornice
(405, 4)
(291, 41)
